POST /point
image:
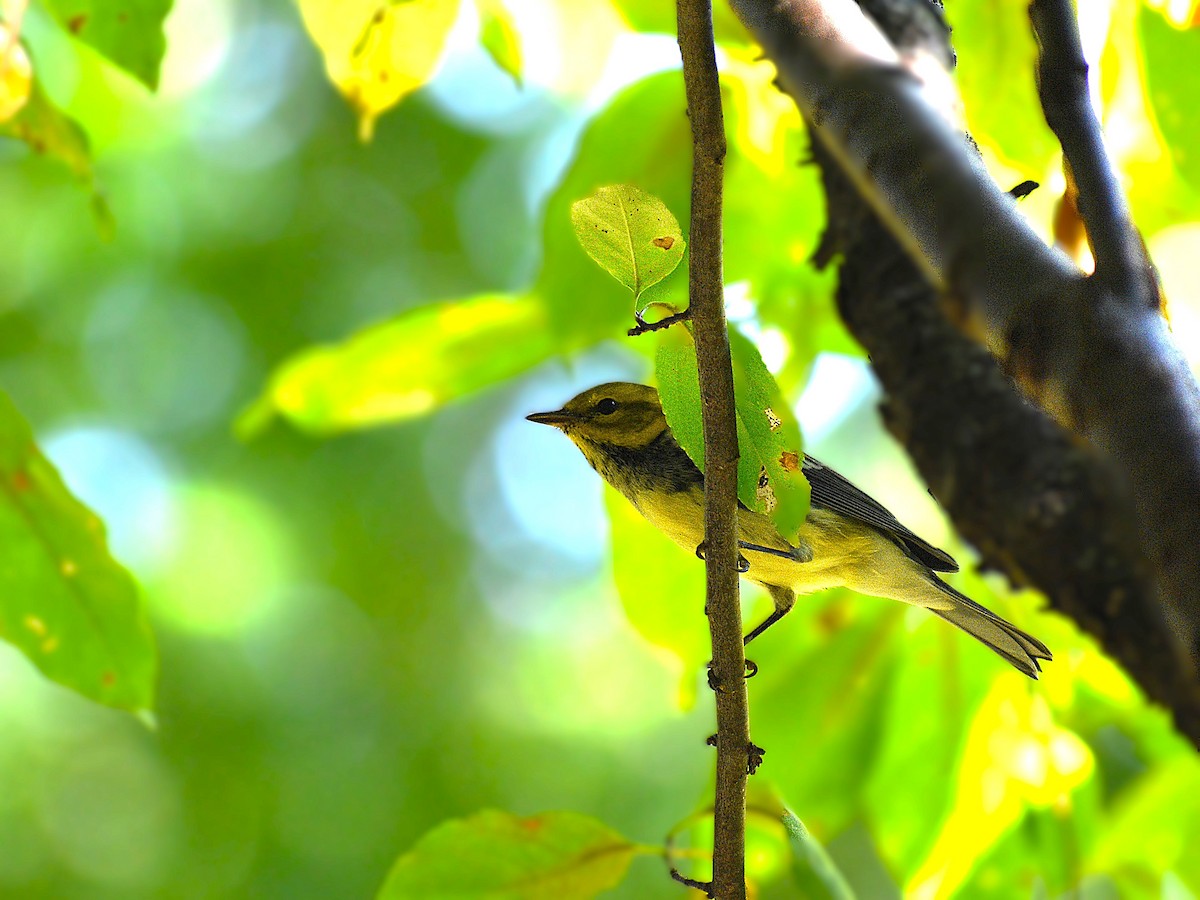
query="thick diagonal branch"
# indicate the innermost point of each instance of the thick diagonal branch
(1103, 366)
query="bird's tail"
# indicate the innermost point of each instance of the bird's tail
(1020, 649)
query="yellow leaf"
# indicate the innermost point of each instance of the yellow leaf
(16, 74)
(379, 51)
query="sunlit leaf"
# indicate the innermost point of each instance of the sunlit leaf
(379, 51)
(495, 855)
(630, 234)
(16, 74)
(405, 367)
(817, 876)
(499, 37)
(679, 389)
(128, 34)
(1180, 13)
(770, 455)
(51, 132)
(580, 297)
(1015, 755)
(661, 587)
(64, 601)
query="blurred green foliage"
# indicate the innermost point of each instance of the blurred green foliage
(364, 636)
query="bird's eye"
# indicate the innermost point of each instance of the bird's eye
(607, 406)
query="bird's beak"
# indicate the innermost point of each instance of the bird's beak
(558, 418)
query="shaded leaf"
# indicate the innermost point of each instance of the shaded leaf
(128, 33)
(64, 601)
(405, 367)
(377, 52)
(662, 590)
(499, 37)
(630, 234)
(817, 876)
(499, 856)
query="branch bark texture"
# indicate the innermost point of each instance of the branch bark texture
(933, 251)
(707, 305)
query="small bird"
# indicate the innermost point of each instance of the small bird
(848, 539)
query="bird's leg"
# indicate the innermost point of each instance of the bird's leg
(784, 599)
(796, 554)
(766, 623)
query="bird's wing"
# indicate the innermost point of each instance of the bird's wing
(832, 491)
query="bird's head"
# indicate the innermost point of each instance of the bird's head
(619, 413)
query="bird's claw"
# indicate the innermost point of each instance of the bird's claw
(743, 564)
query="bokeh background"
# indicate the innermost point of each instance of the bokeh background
(375, 617)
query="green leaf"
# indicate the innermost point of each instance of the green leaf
(64, 601)
(630, 234)
(405, 367)
(661, 589)
(660, 18)
(128, 33)
(770, 453)
(821, 691)
(52, 133)
(1003, 114)
(580, 299)
(817, 876)
(1172, 86)
(499, 37)
(499, 856)
(679, 390)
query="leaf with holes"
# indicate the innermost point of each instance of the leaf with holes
(770, 453)
(630, 234)
(64, 601)
(499, 856)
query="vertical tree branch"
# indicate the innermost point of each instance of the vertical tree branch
(706, 301)
(1117, 247)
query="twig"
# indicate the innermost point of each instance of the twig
(644, 327)
(1121, 260)
(706, 301)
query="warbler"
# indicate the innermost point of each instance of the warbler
(848, 539)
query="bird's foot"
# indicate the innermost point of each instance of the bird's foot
(743, 564)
